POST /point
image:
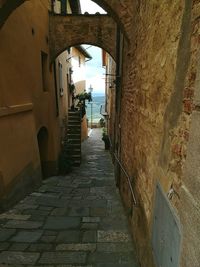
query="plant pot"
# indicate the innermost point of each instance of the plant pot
(106, 143)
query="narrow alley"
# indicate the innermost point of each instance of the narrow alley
(75, 220)
(132, 68)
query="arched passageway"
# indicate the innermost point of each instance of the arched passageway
(42, 138)
(157, 78)
(120, 11)
(67, 31)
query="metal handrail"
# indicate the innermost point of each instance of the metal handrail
(104, 112)
(127, 176)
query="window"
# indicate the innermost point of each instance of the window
(79, 61)
(44, 62)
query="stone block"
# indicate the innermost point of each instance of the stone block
(39, 247)
(11, 257)
(5, 234)
(81, 211)
(63, 258)
(90, 219)
(11, 216)
(23, 224)
(19, 246)
(27, 236)
(59, 223)
(112, 236)
(89, 236)
(77, 247)
(71, 236)
(4, 246)
(99, 212)
(115, 247)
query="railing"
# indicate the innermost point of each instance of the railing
(103, 111)
(127, 176)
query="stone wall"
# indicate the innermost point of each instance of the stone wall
(156, 107)
(72, 30)
(188, 205)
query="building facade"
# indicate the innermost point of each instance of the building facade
(31, 118)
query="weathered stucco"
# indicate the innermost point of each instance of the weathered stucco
(24, 106)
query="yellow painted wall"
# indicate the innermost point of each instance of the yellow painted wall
(23, 37)
(63, 90)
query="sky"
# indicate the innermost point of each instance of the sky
(94, 69)
(90, 7)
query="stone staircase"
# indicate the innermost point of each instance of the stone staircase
(74, 137)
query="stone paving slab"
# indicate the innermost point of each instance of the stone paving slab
(14, 216)
(113, 236)
(77, 247)
(70, 221)
(9, 257)
(115, 247)
(62, 257)
(19, 246)
(27, 236)
(5, 234)
(111, 257)
(61, 222)
(69, 236)
(23, 224)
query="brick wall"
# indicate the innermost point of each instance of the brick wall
(72, 30)
(156, 107)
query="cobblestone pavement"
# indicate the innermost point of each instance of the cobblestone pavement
(74, 220)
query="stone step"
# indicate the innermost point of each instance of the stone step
(73, 111)
(76, 163)
(75, 115)
(74, 123)
(74, 131)
(73, 141)
(73, 150)
(74, 118)
(74, 136)
(71, 125)
(76, 157)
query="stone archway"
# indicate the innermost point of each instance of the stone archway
(7, 7)
(120, 11)
(72, 30)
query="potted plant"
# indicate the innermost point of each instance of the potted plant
(105, 138)
(81, 101)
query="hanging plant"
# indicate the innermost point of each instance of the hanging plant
(81, 101)
(71, 87)
(84, 96)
